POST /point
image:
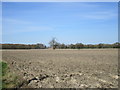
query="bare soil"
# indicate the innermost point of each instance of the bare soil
(84, 68)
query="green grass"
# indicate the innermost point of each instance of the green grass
(8, 78)
(4, 68)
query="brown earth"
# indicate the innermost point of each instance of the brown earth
(84, 68)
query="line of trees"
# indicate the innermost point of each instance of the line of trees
(22, 46)
(55, 45)
(82, 46)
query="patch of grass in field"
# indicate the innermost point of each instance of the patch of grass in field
(4, 68)
(9, 79)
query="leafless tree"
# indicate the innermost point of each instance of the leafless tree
(53, 43)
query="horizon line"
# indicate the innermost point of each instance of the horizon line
(63, 43)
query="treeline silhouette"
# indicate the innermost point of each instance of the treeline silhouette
(23, 46)
(59, 46)
(82, 46)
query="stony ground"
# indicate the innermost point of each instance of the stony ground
(87, 68)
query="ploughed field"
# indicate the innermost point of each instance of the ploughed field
(84, 68)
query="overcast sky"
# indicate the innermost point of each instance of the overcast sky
(38, 22)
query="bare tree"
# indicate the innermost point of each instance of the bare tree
(53, 43)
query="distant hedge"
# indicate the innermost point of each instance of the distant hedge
(82, 46)
(59, 46)
(22, 46)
